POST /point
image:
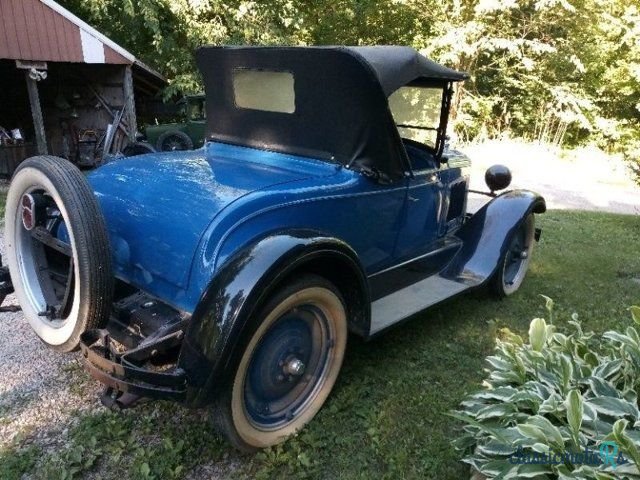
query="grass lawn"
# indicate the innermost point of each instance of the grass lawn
(386, 417)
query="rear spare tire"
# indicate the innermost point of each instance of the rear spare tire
(58, 251)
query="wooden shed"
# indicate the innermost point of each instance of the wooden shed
(65, 88)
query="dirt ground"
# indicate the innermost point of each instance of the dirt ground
(584, 179)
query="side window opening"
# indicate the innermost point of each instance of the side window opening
(197, 111)
(416, 112)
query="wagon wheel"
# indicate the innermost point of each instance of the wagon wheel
(287, 368)
(515, 260)
(58, 251)
(174, 140)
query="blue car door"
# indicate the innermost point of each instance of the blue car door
(422, 218)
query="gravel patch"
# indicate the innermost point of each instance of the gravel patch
(41, 391)
(44, 394)
(215, 471)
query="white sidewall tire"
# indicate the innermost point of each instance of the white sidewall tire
(334, 310)
(93, 275)
(24, 181)
(529, 224)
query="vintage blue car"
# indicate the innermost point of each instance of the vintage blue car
(324, 201)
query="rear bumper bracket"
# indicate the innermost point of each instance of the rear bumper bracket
(123, 373)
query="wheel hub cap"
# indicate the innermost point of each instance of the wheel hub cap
(47, 256)
(294, 367)
(286, 366)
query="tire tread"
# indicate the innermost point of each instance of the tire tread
(91, 242)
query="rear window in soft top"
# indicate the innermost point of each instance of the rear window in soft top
(265, 90)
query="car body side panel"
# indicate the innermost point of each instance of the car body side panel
(470, 254)
(247, 277)
(420, 226)
(158, 206)
(365, 215)
(347, 206)
(196, 131)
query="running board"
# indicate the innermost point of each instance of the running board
(410, 300)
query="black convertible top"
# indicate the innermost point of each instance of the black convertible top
(341, 110)
(396, 66)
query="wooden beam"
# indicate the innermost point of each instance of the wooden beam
(28, 65)
(130, 104)
(146, 91)
(140, 79)
(36, 112)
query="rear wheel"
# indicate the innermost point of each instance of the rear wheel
(58, 251)
(514, 262)
(287, 368)
(174, 140)
(137, 148)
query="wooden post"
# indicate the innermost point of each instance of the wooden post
(36, 112)
(130, 104)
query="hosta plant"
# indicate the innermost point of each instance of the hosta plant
(562, 405)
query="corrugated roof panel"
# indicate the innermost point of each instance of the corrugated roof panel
(7, 31)
(111, 56)
(43, 30)
(33, 31)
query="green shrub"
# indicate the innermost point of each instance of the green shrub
(553, 401)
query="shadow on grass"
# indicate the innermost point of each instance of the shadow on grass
(158, 440)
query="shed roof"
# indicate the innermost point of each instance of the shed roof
(43, 30)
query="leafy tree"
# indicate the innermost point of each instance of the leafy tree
(560, 71)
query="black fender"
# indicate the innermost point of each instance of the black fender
(227, 310)
(486, 235)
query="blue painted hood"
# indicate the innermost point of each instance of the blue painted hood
(157, 206)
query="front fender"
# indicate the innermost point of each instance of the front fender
(487, 233)
(228, 308)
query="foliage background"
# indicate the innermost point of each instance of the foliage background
(558, 71)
